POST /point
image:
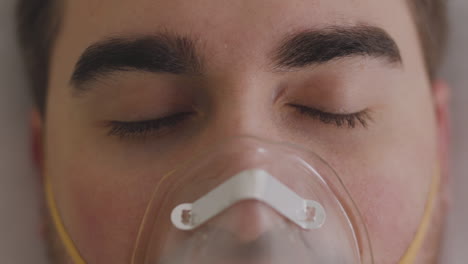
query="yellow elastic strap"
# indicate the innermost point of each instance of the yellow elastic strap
(62, 232)
(147, 211)
(412, 252)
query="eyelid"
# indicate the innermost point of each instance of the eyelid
(143, 128)
(350, 120)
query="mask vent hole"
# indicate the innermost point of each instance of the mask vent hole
(186, 217)
(310, 214)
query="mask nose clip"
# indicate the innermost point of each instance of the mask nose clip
(252, 184)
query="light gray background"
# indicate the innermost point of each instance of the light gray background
(20, 200)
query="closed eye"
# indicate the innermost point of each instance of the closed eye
(348, 120)
(141, 129)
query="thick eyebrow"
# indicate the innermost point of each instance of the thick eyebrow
(306, 48)
(160, 53)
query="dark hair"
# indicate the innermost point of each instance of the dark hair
(38, 22)
(430, 17)
(37, 25)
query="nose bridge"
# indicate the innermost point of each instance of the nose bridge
(242, 107)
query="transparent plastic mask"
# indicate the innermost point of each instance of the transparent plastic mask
(252, 201)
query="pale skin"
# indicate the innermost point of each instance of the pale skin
(102, 182)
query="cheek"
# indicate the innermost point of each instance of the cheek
(390, 206)
(101, 209)
(391, 190)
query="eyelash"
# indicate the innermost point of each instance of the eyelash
(142, 129)
(340, 120)
(145, 128)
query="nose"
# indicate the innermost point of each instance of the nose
(241, 104)
(246, 233)
(246, 222)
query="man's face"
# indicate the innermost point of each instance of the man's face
(345, 79)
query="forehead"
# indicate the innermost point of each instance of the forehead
(249, 25)
(205, 14)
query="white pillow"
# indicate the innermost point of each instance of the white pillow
(456, 72)
(20, 201)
